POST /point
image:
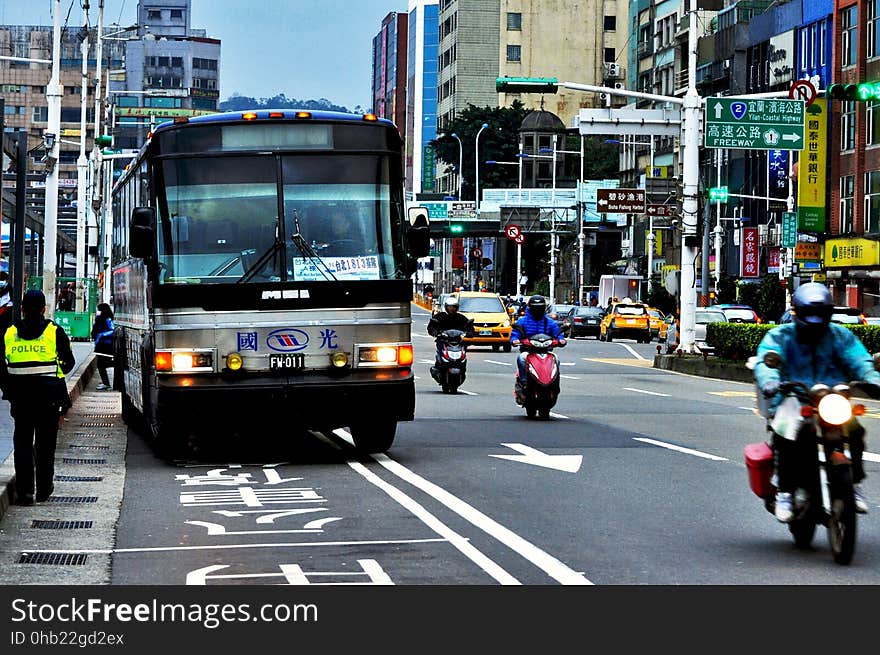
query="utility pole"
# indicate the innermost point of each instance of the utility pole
(95, 159)
(581, 236)
(82, 166)
(16, 236)
(50, 215)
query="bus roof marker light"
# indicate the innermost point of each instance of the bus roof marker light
(249, 115)
(303, 114)
(276, 114)
(370, 117)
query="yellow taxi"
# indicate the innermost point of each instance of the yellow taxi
(655, 320)
(490, 317)
(626, 320)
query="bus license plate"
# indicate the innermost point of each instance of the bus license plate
(485, 333)
(287, 362)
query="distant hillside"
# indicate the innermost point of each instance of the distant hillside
(238, 102)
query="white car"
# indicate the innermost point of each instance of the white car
(702, 318)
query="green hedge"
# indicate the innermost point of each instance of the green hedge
(739, 341)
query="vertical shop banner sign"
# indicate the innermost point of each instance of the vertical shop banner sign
(811, 169)
(750, 261)
(773, 260)
(777, 173)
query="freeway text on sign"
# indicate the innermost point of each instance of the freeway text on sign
(754, 124)
(620, 201)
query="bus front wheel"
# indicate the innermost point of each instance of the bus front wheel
(374, 437)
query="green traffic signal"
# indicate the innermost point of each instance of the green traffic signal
(526, 84)
(862, 92)
(456, 229)
(103, 141)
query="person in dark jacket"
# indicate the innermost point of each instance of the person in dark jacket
(449, 319)
(35, 355)
(102, 333)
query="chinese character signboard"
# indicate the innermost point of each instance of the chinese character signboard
(466, 209)
(851, 252)
(777, 173)
(755, 124)
(620, 201)
(808, 252)
(750, 262)
(773, 260)
(811, 169)
(789, 229)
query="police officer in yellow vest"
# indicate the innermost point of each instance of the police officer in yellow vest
(35, 357)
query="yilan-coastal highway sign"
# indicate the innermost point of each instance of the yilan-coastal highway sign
(754, 123)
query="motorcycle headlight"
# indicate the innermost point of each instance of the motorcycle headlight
(835, 409)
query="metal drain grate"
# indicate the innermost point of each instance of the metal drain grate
(61, 525)
(75, 460)
(72, 499)
(89, 446)
(96, 425)
(58, 559)
(78, 478)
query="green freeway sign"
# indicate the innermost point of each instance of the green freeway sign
(754, 123)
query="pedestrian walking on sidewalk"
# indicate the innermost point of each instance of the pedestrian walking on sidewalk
(102, 333)
(36, 355)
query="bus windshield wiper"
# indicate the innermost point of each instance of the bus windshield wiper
(307, 251)
(265, 258)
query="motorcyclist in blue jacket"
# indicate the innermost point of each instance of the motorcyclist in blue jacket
(813, 351)
(534, 321)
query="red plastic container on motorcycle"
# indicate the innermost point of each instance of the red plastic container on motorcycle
(759, 462)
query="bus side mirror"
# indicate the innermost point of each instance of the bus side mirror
(876, 359)
(418, 237)
(141, 237)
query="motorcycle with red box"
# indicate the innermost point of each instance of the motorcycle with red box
(541, 389)
(816, 419)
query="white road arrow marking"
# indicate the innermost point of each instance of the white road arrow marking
(791, 137)
(568, 463)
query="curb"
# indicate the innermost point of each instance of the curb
(75, 385)
(707, 368)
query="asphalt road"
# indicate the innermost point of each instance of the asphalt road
(638, 478)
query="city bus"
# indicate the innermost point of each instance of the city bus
(237, 295)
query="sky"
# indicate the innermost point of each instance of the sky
(305, 49)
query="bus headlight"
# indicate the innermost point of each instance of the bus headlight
(184, 361)
(234, 361)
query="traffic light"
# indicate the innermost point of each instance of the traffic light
(456, 228)
(104, 141)
(526, 84)
(862, 92)
(718, 194)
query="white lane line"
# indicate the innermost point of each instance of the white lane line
(650, 393)
(569, 377)
(687, 451)
(295, 544)
(468, 393)
(543, 560)
(426, 361)
(630, 348)
(492, 361)
(555, 415)
(870, 457)
(568, 363)
(458, 541)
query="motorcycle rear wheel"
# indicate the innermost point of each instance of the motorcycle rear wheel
(803, 531)
(531, 410)
(544, 413)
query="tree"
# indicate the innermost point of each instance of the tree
(498, 142)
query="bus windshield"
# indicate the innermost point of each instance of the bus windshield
(220, 219)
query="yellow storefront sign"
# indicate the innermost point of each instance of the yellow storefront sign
(851, 252)
(811, 169)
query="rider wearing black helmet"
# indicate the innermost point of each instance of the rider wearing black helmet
(814, 350)
(449, 319)
(535, 321)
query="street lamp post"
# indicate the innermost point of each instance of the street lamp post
(460, 158)
(477, 166)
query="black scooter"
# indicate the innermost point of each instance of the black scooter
(449, 372)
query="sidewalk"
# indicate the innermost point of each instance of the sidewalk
(83, 352)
